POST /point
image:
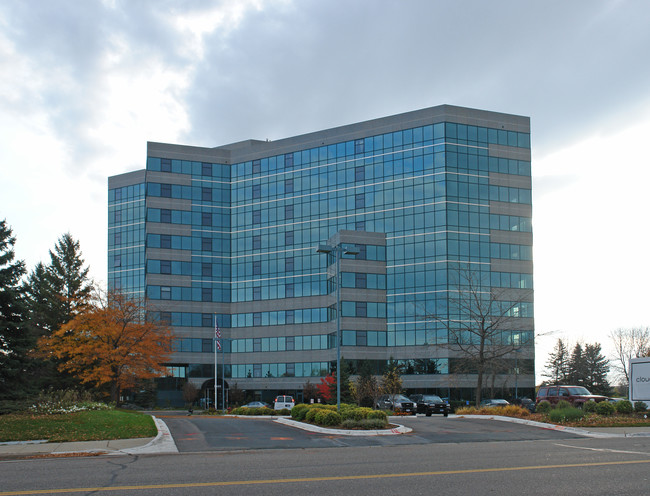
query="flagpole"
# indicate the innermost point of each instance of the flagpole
(223, 378)
(215, 360)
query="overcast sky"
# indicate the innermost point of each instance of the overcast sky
(84, 85)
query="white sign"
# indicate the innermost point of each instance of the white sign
(640, 380)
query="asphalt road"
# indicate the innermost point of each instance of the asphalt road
(203, 433)
(480, 462)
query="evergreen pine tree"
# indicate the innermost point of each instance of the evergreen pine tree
(68, 279)
(596, 370)
(577, 367)
(15, 342)
(55, 294)
(558, 364)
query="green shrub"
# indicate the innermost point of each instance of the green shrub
(570, 414)
(589, 406)
(357, 413)
(284, 411)
(367, 424)
(319, 417)
(327, 417)
(624, 406)
(299, 411)
(562, 404)
(640, 407)
(311, 414)
(543, 407)
(378, 415)
(605, 408)
(374, 423)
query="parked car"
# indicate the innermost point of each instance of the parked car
(494, 402)
(395, 402)
(576, 395)
(282, 402)
(525, 403)
(257, 404)
(430, 404)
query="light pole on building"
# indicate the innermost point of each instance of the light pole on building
(338, 251)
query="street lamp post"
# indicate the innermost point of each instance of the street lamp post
(337, 251)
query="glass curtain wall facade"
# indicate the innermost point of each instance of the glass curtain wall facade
(423, 197)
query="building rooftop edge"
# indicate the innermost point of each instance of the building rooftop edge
(251, 149)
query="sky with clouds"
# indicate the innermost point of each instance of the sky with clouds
(86, 84)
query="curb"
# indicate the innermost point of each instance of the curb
(162, 443)
(554, 427)
(400, 429)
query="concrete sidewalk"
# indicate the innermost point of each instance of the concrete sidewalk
(162, 443)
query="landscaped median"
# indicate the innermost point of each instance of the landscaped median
(603, 414)
(351, 419)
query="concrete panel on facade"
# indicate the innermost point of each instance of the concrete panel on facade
(518, 209)
(510, 180)
(523, 266)
(126, 179)
(514, 237)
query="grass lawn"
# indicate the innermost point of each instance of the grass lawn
(93, 425)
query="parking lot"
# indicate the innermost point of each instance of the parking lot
(213, 433)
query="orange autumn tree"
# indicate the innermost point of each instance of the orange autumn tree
(111, 343)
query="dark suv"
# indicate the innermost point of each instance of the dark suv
(395, 402)
(576, 395)
(430, 404)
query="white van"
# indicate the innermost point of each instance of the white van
(282, 402)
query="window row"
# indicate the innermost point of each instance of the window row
(511, 252)
(130, 282)
(217, 172)
(130, 213)
(280, 317)
(210, 194)
(283, 343)
(126, 193)
(187, 217)
(467, 160)
(126, 258)
(362, 309)
(462, 133)
(176, 293)
(189, 319)
(126, 236)
(510, 195)
(362, 280)
(511, 280)
(219, 243)
(270, 290)
(203, 270)
(413, 366)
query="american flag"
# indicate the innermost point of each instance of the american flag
(217, 334)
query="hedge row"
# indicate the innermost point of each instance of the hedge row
(350, 416)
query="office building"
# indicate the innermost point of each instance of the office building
(416, 205)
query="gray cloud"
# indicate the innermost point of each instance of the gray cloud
(291, 68)
(312, 65)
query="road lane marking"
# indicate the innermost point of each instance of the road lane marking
(317, 479)
(604, 450)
